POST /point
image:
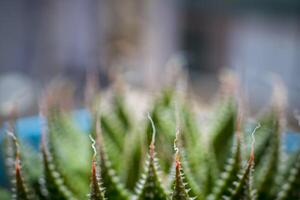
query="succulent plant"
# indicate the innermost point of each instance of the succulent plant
(136, 159)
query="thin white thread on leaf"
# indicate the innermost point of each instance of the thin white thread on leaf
(253, 132)
(153, 129)
(253, 138)
(93, 145)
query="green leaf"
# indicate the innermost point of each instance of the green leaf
(266, 175)
(65, 138)
(228, 176)
(53, 182)
(113, 129)
(264, 135)
(29, 156)
(242, 189)
(149, 186)
(162, 113)
(113, 149)
(5, 195)
(121, 111)
(222, 131)
(110, 181)
(133, 156)
(33, 174)
(96, 191)
(10, 156)
(20, 192)
(193, 143)
(20, 189)
(180, 190)
(209, 171)
(194, 189)
(290, 188)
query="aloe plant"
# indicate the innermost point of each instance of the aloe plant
(135, 159)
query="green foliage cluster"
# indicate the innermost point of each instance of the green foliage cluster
(136, 159)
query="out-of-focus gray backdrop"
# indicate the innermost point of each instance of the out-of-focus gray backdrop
(46, 40)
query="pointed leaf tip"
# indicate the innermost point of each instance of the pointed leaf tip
(20, 191)
(96, 190)
(180, 190)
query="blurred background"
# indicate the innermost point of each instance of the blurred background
(56, 40)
